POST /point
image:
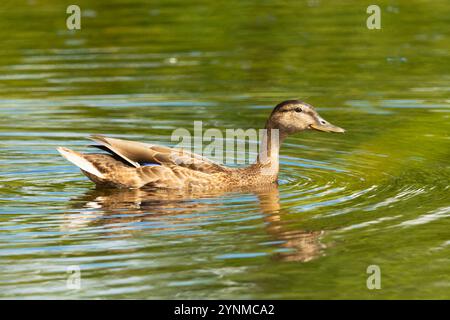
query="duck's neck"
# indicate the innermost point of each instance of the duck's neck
(269, 150)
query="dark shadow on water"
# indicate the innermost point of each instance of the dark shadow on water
(113, 208)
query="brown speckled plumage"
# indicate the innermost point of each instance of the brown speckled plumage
(131, 164)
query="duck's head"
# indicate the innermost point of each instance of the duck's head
(293, 116)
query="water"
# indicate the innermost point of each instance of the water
(377, 195)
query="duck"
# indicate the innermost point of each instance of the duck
(134, 165)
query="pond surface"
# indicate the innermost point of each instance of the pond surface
(377, 195)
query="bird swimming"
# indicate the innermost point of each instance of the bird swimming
(131, 164)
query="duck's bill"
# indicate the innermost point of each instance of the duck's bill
(327, 128)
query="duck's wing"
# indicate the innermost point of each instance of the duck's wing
(139, 154)
(111, 170)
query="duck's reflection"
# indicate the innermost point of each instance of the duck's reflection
(116, 207)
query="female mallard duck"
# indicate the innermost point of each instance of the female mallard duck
(130, 164)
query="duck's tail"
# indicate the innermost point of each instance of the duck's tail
(80, 161)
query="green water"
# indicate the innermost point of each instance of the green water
(377, 195)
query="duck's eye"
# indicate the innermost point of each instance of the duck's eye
(298, 110)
